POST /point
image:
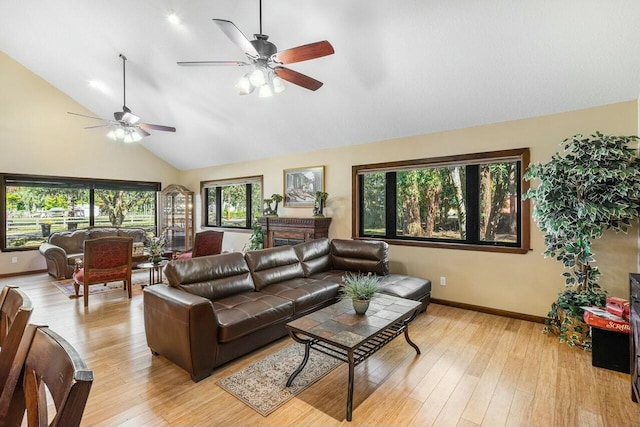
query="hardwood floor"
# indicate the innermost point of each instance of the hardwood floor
(475, 369)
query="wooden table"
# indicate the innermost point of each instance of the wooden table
(155, 271)
(339, 332)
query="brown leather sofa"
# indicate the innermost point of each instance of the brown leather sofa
(217, 308)
(64, 247)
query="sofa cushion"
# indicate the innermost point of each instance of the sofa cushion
(364, 256)
(70, 241)
(334, 276)
(304, 293)
(212, 277)
(273, 265)
(244, 313)
(408, 287)
(314, 256)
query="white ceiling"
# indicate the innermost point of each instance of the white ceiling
(400, 68)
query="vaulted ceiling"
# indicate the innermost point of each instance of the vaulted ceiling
(400, 68)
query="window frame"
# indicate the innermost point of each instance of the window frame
(218, 184)
(520, 155)
(90, 184)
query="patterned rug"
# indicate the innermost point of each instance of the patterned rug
(262, 385)
(66, 286)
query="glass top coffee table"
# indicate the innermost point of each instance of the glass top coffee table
(339, 332)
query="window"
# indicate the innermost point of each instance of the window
(231, 203)
(35, 206)
(467, 202)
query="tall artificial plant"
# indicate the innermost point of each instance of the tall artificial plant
(591, 185)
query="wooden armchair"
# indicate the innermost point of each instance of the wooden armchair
(46, 365)
(107, 259)
(205, 243)
(15, 310)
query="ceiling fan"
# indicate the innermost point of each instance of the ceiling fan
(126, 126)
(268, 61)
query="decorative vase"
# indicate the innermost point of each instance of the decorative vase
(155, 259)
(360, 305)
(318, 210)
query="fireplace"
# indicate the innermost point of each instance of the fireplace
(280, 231)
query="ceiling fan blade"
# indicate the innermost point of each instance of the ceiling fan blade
(89, 117)
(298, 78)
(304, 52)
(156, 127)
(224, 63)
(98, 126)
(236, 36)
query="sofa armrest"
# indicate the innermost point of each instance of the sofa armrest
(56, 259)
(181, 327)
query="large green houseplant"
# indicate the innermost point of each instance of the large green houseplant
(591, 185)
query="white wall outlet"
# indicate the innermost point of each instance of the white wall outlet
(443, 281)
(14, 260)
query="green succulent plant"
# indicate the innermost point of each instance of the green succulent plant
(360, 286)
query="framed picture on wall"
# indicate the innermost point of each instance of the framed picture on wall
(300, 186)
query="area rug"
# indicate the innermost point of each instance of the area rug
(66, 287)
(262, 385)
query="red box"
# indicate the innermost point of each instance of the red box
(618, 307)
(602, 319)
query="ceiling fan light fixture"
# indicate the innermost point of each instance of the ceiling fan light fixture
(128, 138)
(244, 86)
(278, 84)
(119, 132)
(112, 135)
(265, 91)
(258, 78)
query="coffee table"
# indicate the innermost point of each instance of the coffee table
(339, 332)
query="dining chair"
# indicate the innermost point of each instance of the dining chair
(106, 259)
(15, 311)
(205, 243)
(46, 366)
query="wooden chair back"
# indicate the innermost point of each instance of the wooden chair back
(15, 311)
(47, 365)
(106, 259)
(207, 242)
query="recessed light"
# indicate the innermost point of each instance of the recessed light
(100, 86)
(174, 18)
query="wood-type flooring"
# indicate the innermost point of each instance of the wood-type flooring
(475, 369)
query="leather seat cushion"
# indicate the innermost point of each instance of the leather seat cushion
(100, 277)
(334, 276)
(305, 293)
(409, 287)
(244, 313)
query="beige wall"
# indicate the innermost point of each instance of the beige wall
(520, 283)
(37, 136)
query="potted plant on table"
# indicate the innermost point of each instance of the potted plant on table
(360, 289)
(156, 248)
(593, 185)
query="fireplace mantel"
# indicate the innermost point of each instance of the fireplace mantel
(279, 231)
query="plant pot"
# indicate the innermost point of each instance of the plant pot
(46, 229)
(571, 329)
(361, 305)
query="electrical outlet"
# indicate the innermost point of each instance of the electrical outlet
(443, 281)
(14, 260)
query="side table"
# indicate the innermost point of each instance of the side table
(155, 270)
